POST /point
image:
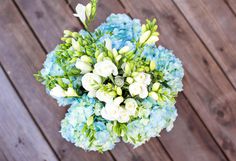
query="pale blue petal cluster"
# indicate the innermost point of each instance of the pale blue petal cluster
(121, 29)
(142, 129)
(72, 125)
(168, 64)
(50, 66)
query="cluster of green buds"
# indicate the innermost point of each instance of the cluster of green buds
(149, 33)
(86, 13)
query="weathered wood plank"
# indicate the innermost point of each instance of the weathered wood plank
(189, 137)
(232, 5)
(17, 129)
(22, 56)
(210, 93)
(48, 19)
(216, 26)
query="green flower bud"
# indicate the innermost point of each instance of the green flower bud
(123, 50)
(86, 59)
(153, 95)
(67, 33)
(129, 80)
(155, 86)
(152, 65)
(75, 45)
(113, 93)
(119, 91)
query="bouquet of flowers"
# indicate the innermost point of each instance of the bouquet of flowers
(120, 85)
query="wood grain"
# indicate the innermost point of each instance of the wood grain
(23, 58)
(232, 5)
(18, 140)
(206, 87)
(215, 24)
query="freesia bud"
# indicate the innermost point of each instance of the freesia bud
(144, 37)
(153, 95)
(86, 59)
(75, 45)
(88, 9)
(123, 50)
(152, 65)
(155, 86)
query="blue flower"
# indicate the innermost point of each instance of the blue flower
(121, 29)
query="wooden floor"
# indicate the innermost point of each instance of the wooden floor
(201, 32)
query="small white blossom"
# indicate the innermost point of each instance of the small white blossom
(84, 67)
(71, 92)
(57, 92)
(91, 81)
(105, 68)
(80, 12)
(131, 105)
(138, 88)
(123, 115)
(143, 78)
(144, 37)
(104, 96)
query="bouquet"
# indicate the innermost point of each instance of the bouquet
(118, 83)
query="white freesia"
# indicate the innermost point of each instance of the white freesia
(153, 39)
(111, 110)
(57, 92)
(88, 9)
(105, 68)
(70, 92)
(108, 44)
(80, 12)
(144, 36)
(123, 50)
(75, 45)
(131, 105)
(138, 88)
(143, 78)
(84, 67)
(153, 95)
(123, 115)
(104, 96)
(91, 81)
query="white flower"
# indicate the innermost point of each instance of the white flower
(143, 78)
(57, 92)
(104, 96)
(131, 105)
(80, 12)
(138, 88)
(71, 92)
(75, 45)
(152, 40)
(84, 67)
(105, 68)
(108, 44)
(123, 50)
(144, 36)
(153, 95)
(123, 115)
(91, 81)
(88, 9)
(111, 109)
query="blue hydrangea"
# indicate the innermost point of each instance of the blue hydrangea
(102, 137)
(121, 29)
(142, 129)
(50, 66)
(168, 64)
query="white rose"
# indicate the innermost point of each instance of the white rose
(91, 81)
(104, 96)
(83, 66)
(143, 78)
(131, 105)
(57, 92)
(71, 92)
(105, 68)
(138, 88)
(123, 115)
